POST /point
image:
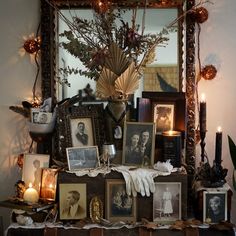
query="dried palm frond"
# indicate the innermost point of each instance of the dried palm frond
(128, 82)
(116, 60)
(105, 84)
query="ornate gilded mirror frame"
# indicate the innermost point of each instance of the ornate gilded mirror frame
(48, 59)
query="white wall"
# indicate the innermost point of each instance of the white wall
(218, 48)
(20, 18)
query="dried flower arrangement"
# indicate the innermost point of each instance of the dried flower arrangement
(113, 51)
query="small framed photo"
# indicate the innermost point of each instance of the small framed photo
(82, 132)
(214, 206)
(32, 169)
(72, 201)
(138, 143)
(119, 205)
(44, 117)
(163, 116)
(80, 126)
(82, 157)
(166, 109)
(49, 184)
(167, 202)
(34, 114)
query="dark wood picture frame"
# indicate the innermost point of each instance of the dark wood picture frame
(72, 193)
(214, 206)
(119, 205)
(134, 151)
(66, 114)
(146, 104)
(82, 157)
(167, 202)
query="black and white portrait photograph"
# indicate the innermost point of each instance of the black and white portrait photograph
(32, 169)
(167, 202)
(138, 143)
(82, 157)
(120, 206)
(34, 113)
(163, 116)
(82, 132)
(214, 206)
(72, 201)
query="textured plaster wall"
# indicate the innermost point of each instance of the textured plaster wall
(20, 18)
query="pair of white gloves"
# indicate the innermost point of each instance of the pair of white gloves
(139, 180)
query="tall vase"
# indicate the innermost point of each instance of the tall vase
(115, 114)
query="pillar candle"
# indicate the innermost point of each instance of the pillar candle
(218, 146)
(172, 147)
(31, 195)
(202, 114)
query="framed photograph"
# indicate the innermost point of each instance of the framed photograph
(167, 202)
(166, 109)
(44, 117)
(72, 201)
(80, 126)
(49, 184)
(163, 116)
(214, 206)
(34, 113)
(82, 132)
(119, 206)
(82, 157)
(138, 144)
(32, 169)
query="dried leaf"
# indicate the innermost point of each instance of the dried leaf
(105, 84)
(128, 82)
(21, 110)
(116, 60)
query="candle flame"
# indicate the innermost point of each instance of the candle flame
(203, 97)
(219, 129)
(50, 186)
(30, 185)
(170, 132)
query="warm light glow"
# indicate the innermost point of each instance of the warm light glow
(170, 132)
(50, 186)
(219, 129)
(203, 97)
(30, 185)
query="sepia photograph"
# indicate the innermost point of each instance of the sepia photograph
(34, 113)
(82, 157)
(119, 205)
(82, 132)
(163, 116)
(214, 206)
(32, 169)
(167, 202)
(138, 144)
(72, 201)
(49, 184)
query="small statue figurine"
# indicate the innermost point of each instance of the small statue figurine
(96, 209)
(20, 188)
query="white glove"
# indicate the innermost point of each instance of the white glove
(130, 188)
(144, 180)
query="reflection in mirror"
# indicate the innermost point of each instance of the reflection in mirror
(49, 54)
(162, 74)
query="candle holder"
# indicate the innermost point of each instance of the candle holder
(211, 177)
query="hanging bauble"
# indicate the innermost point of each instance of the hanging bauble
(100, 6)
(208, 72)
(32, 45)
(200, 15)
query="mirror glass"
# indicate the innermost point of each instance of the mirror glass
(164, 67)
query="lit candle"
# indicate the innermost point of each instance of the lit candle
(31, 195)
(172, 147)
(202, 114)
(218, 146)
